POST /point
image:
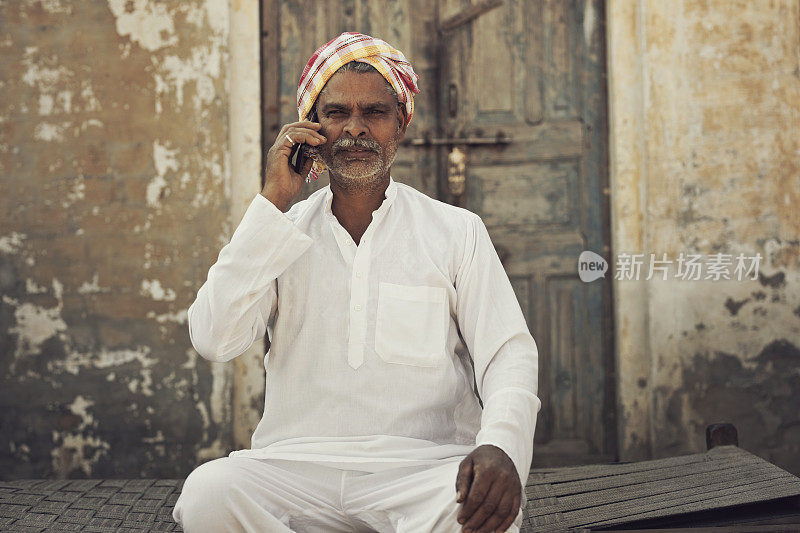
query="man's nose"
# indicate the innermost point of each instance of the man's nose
(356, 126)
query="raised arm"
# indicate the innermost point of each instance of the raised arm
(233, 306)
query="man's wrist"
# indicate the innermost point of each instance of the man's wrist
(275, 200)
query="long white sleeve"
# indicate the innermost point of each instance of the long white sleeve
(504, 354)
(233, 306)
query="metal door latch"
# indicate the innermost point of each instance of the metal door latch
(457, 158)
(456, 170)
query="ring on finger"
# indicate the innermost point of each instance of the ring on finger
(290, 139)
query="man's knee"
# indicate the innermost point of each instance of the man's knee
(205, 496)
(210, 481)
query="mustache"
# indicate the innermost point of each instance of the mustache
(316, 153)
(345, 143)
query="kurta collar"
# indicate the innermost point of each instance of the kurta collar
(390, 195)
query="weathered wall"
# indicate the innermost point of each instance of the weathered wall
(115, 154)
(705, 101)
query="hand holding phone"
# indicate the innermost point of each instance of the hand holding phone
(300, 151)
(298, 157)
(288, 158)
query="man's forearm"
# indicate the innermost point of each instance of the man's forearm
(226, 317)
(509, 422)
(510, 402)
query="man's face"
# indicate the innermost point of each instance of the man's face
(363, 123)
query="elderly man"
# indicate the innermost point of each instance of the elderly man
(401, 377)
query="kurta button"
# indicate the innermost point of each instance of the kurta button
(358, 274)
(357, 308)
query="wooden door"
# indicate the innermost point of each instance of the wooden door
(532, 73)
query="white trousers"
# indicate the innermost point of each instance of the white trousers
(235, 494)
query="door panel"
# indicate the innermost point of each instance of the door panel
(533, 72)
(526, 194)
(529, 72)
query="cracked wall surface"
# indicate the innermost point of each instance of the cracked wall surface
(705, 109)
(115, 155)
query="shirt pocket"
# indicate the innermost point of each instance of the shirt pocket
(411, 324)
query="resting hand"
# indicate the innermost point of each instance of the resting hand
(489, 487)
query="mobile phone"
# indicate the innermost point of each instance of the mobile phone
(299, 154)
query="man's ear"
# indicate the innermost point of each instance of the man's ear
(402, 116)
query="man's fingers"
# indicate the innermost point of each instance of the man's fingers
(298, 128)
(298, 136)
(307, 131)
(486, 507)
(481, 483)
(300, 124)
(287, 141)
(512, 515)
(463, 479)
(500, 513)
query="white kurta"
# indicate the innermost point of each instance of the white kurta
(373, 346)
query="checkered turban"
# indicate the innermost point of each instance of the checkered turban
(347, 47)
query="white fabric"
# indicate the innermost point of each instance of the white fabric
(372, 346)
(239, 494)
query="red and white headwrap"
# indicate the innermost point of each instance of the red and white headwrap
(351, 46)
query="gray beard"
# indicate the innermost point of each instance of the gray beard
(359, 177)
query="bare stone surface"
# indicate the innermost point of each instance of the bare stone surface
(705, 99)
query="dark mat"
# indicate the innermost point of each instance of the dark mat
(110, 505)
(585, 498)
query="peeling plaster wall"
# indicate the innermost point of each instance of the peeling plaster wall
(115, 156)
(245, 139)
(705, 152)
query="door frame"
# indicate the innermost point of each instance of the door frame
(270, 38)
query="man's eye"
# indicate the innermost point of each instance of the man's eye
(375, 112)
(335, 113)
